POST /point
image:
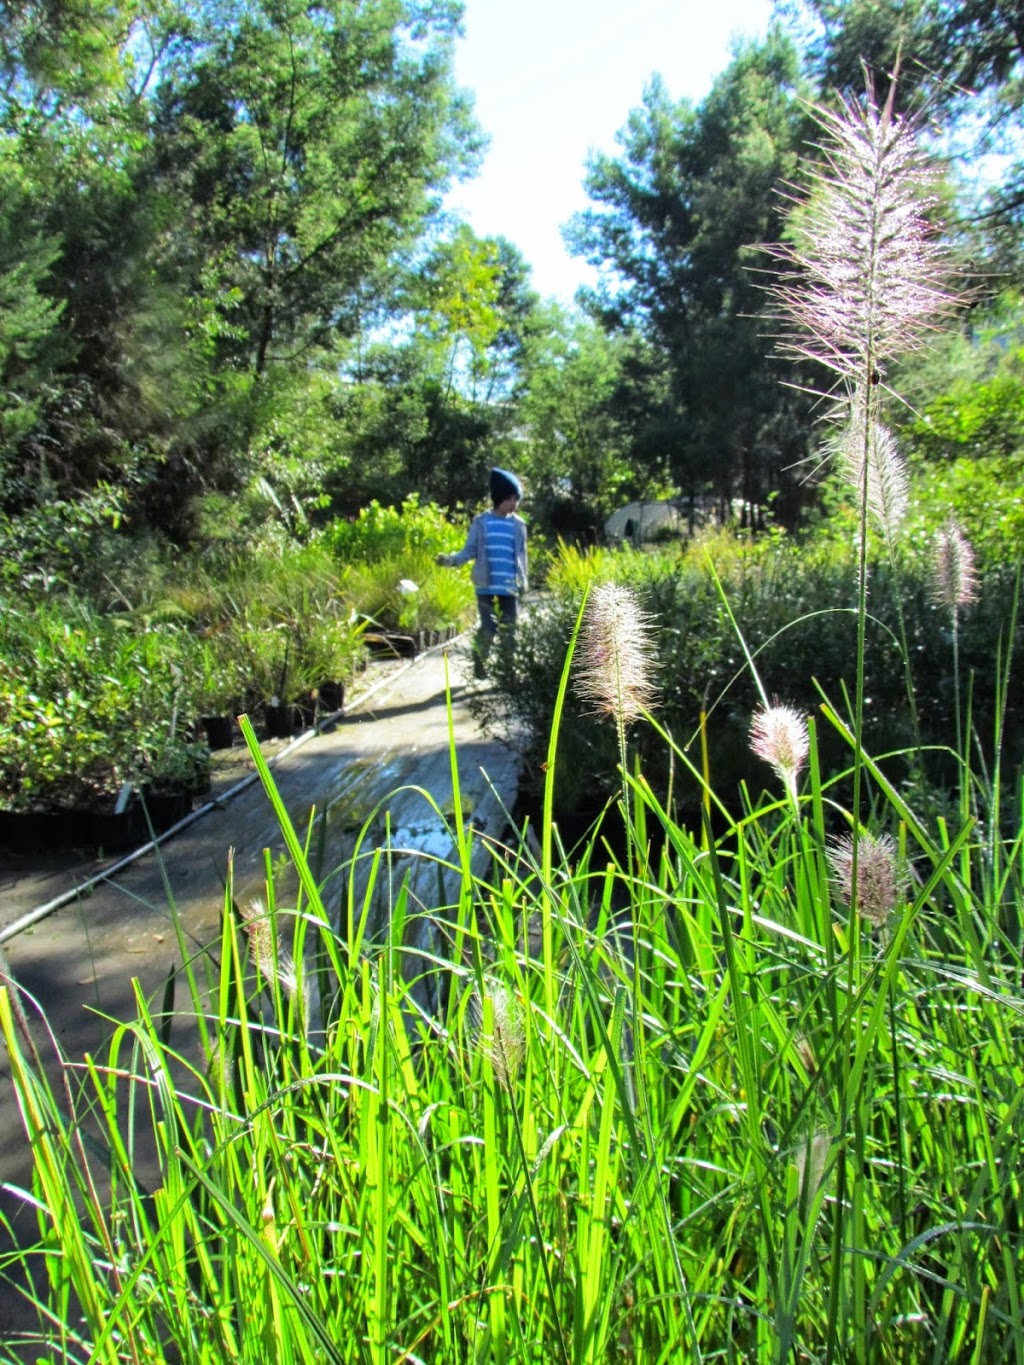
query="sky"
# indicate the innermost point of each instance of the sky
(556, 79)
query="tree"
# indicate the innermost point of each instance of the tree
(307, 144)
(572, 442)
(59, 56)
(965, 398)
(91, 339)
(427, 407)
(472, 303)
(946, 52)
(679, 223)
(32, 348)
(219, 191)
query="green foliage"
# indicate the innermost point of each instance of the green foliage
(390, 532)
(387, 556)
(976, 419)
(103, 689)
(194, 197)
(639, 1054)
(681, 219)
(68, 55)
(986, 497)
(94, 699)
(795, 609)
(66, 544)
(278, 625)
(89, 703)
(306, 146)
(966, 392)
(472, 305)
(30, 345)
(573, 456)
(428, 409)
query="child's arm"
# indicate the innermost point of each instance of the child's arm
(469, 550)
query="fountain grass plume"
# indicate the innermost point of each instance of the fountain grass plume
(954, 577)
(615, 654)
(954, 586)
(870, 463)
(497, 1016)
(865, 282)
(868, 278)
(875, 881)
(779, 735)
(615, 657)
(270, 958)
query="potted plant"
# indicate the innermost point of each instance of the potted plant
(217, 689)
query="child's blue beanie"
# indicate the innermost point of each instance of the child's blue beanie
(504, 485)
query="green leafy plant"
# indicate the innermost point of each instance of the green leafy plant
(640, 1053)
(89, 699)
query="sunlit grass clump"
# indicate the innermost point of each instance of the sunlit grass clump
(698, 1098)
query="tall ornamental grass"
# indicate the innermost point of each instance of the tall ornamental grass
(657, 1116)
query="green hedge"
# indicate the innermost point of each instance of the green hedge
(792, 609)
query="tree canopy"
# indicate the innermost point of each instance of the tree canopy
(680, 222)
(229, 287)
(218, 189)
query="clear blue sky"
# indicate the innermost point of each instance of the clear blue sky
(555, 79)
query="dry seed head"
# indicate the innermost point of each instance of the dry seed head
(256, 923)
(881, 876)
(615, 653)
(869, 278)
(269, 957)
(954, 578)
(504, 1045)
(778, 734)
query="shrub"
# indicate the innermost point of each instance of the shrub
(793, 608)
(390, 533)
(90, 702)
(384, 550)
(986, 497)
(276, 623)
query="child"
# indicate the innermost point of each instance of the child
(497, 542)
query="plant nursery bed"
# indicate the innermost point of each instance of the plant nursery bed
(57, 851)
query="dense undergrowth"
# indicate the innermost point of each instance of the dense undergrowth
(103, 678)
(719, 604)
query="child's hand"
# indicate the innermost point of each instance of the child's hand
(446, 560)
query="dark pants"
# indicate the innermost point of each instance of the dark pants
(496, 613)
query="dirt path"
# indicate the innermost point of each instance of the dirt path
(80, 961)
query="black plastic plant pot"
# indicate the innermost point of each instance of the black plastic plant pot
(331, 696)
(118, 831)
(166, 808)
(279, 721)
(219, 730)
(44, 831)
